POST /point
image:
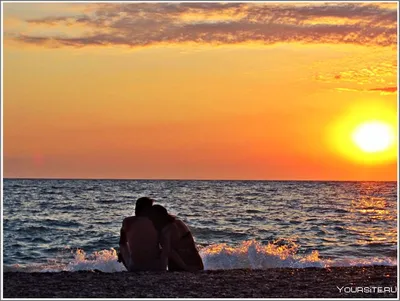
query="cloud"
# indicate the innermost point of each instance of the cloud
(146, 24)
(382, 91)
(385, 90)
(373, 73)
(348, 90)
(60, 19)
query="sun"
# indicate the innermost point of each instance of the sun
(373, 136)
(365, 133)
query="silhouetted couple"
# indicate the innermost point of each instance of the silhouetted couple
(153, 240)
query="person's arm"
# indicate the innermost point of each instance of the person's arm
(168, 252)
(165, 247)
(123, 247)
(178, 260)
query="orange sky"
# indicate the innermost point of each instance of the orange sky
(196, 91)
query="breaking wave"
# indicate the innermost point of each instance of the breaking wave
(248, 255)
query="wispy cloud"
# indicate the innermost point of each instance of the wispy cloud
(385, 90)
(144, 24)
(374, 73)
(382, 91)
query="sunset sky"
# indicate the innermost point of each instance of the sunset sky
(198, 91)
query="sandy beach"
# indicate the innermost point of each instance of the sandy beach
(369, 282)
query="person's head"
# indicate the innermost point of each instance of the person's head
(143, 205)
(160, 217)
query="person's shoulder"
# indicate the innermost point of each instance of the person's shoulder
(129, 220)
(137, 219)
(177, 221)
(181, 225)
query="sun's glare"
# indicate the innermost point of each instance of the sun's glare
(366, 133)
(373, 136)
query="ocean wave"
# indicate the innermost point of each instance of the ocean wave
(248, 255)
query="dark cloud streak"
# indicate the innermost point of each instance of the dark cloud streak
(385, 90)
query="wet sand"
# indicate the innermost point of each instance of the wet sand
(270, 283)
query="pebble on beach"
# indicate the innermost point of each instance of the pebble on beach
(337, 282)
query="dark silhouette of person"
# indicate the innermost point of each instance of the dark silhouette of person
(139, 243)
(179, 250)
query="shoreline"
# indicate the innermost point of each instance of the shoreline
(355, 282)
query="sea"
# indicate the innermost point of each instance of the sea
(52, 225)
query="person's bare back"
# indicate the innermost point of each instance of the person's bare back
(139, 245)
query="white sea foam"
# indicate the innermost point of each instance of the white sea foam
(252, 254)
(248, 255)
(104, 260)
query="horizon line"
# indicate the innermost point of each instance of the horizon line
(208, 180)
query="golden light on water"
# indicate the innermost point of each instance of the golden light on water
(366, 133)
(374, 210)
